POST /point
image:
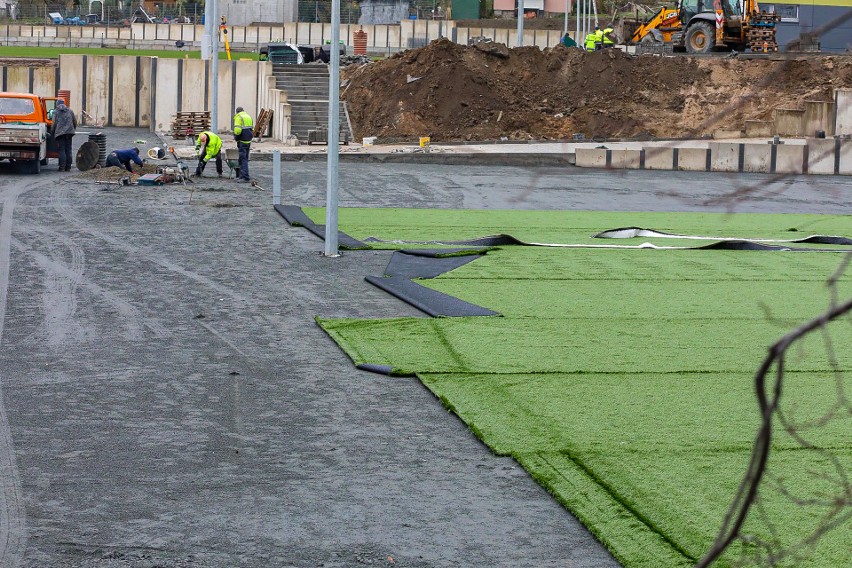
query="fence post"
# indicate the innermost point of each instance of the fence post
(276, 177)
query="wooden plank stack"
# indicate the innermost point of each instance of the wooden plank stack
(261, 125)
(190, 123)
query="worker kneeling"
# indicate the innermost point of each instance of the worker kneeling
(207, 147)
(123, 158)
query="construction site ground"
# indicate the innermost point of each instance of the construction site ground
(452, 92)
(168, 400)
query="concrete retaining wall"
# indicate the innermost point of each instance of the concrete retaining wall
(381, 38)
(146, 91)
(829, 156)
(789, 122)
(843, 112)
(819, 115)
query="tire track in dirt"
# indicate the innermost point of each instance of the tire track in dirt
(13, 535)
(59, 201)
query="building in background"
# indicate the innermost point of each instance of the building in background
(247, 12)
(509, 8)
(813, 24)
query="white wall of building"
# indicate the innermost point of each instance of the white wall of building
(246, 12)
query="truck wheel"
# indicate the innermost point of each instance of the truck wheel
(700, 38)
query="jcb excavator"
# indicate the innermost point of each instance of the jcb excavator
(701, 25)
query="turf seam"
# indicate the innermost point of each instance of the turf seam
(618, 499)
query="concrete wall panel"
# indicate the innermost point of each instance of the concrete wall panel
(591, 158)
(789, 159)
(821, 156)
(757, 158)
(18, 79)
(44, 81)
(192, 85)
(819, 115)
(145, 88)
(626, 159)
(843, 112)
(659, 158)
(246, 94)
(124, 91)
(758, 129)
(98, 94)
(692, 159)
(71, 79)
(846, 157)
(724, 157)
(165, 91)
(789, 122)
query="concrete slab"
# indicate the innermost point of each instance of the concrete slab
(845, 155)
(790, 158)
(693, 159)
(659, 158)
(821, 156)
(626, 159)
(789, 122)
(725, 156)
(843, 112)
(591, 158)
(757, 158)
(758, 128)
(819, 116)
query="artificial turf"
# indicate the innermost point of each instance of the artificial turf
(622, 379)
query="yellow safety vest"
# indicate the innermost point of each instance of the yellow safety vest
(243, 121)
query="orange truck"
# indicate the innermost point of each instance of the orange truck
(25, 121)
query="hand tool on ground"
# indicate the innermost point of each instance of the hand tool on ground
(256, 185)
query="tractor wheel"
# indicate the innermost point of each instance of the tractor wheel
(700, 38)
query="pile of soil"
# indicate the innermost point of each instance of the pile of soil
(113, 174)
(487, 91)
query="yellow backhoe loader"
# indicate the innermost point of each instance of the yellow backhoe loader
(700, 26)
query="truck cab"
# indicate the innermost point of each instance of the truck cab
(25, 121)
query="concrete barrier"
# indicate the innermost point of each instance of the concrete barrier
(727, 134)
(626, 159)
(790, 159)
(845, 157)
(660, 158)
(693, 159)
(822, 156)
(591, 157)
(843, 112)
(819, 115)
(726, 157)
(757, 158)
(789, 122)
(758, 129)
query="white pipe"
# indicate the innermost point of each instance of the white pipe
(333, 153)
(520, 23)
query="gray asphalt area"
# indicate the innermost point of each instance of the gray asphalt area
(166, 399)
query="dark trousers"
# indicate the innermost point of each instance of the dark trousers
(202, 164)
(63, 148)
(244, 149)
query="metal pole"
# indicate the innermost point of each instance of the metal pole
(520, 23)
(567, 9)
(579, 17)
(276, 177)
(333, 134)
(214, 29)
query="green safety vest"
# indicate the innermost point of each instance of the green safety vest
(214, 144)
(591, 39)
(242, 121)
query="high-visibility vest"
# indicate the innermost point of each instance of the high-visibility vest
(214, 144)
(605, 35)
(591, 39)
(243, 125)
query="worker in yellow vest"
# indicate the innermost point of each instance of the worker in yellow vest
(207, 147)
(606, 38)
(590, 41)
(243, 133)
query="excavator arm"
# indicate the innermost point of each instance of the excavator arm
(665, 21)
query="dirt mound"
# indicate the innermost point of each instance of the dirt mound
(487, 92)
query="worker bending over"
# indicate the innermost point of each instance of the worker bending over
(122, 159)
(243, 133)
(594, 40)
(207, 147)
(606, 38)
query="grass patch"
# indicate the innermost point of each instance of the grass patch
(622, 379)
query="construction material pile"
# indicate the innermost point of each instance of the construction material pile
(487, 92)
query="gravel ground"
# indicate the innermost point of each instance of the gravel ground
(166, 399)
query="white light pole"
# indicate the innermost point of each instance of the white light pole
(333, 134)
(214, 28)
(520, 23)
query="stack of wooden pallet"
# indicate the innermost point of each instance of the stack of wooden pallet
(261, 125)
(190, 123)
